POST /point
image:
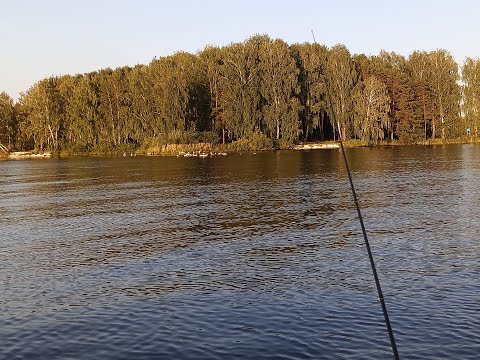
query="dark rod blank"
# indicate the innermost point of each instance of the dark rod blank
(370, 256)
(365, 237)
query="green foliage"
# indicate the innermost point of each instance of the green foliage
(212, 58)
(372, 108)
(254, 141)
(391, 69)
(279, 88)
(240, 97)
(8, 126)
(257, 94)
(341, 78)
(435, 78)
(183, 137)
(42, 107)
(471, 95)
(311, 60)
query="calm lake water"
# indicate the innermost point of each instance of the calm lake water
(248, 256)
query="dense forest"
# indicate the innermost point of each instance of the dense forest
(260, 92)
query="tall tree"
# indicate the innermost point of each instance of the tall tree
(44, 119)
(393, 72)
(471, 94)
(213, 60)
(240, 97)
(141, 98)
(341, 79)
(279, 88)
(446, 91)
(81, 110)
(420, 72)
(311, 60)
(115, 118)
(170, 94)
(436, 76)
(372, 108)
(7, 121)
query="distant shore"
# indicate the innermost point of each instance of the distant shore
(210, 150)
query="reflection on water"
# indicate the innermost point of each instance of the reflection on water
(245, 256)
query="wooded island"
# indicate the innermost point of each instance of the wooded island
(258, 94)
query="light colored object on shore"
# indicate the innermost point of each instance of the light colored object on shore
(316, 146)
(18, 155)
(200, 154)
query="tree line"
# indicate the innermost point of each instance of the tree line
(259, 88)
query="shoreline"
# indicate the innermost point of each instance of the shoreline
(203, 150)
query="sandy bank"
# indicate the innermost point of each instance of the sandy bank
(316, 146)
(19, 155)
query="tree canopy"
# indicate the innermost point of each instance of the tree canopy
(258, 87)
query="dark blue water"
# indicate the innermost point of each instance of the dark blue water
(256, 256)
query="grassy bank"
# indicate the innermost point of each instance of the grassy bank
(257, 142)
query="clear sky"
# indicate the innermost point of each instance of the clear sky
(39, 38)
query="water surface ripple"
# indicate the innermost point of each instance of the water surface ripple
(256, 256)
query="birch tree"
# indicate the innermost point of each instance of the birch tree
(372, 108)
(311, 61)
(341, 79)
(471, 94)
(279, 87)
(240, 97)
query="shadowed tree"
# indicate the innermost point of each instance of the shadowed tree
(390, 68)
(107, 126)
(404, 124)
(213, 60)
(311, 60)
(420, 72)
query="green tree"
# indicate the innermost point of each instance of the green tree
(213, 60)
(311, 60)
(446, 93)
(394, 73)
(7, 121)
(391, 69)
(435, 75)
(341, 77)
(44, 115)
(81, 110)
(240, 97)
(115, 119)
(142, 99)
(279, 87)
(471, 94)
(170, 95)
(372, 108)
(424, 105)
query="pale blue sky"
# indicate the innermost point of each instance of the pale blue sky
(39, 38)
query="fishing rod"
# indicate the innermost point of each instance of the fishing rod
(365, 237)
